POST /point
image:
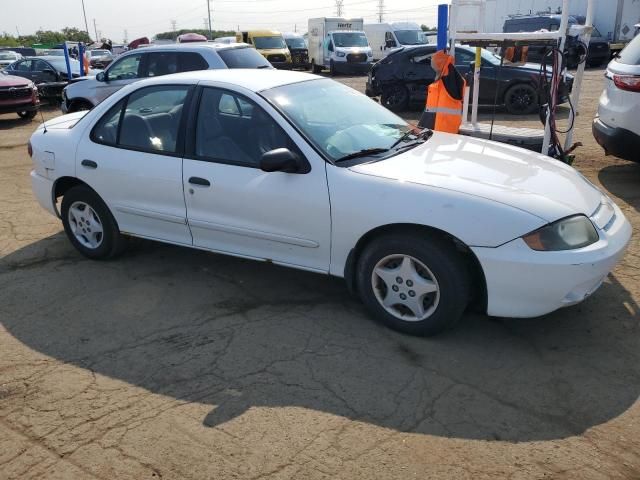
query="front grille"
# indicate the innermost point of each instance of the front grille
(300, 58)
(12, 93)
(357, 57)
(276, 58)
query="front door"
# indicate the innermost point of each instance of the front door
(133, 160)
(235, 207)
(123, 71)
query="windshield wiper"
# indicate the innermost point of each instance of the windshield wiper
(363, 153)
(407, 134)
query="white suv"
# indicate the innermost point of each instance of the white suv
(616, 127)
(154, 62)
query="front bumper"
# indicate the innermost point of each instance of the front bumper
(43, 191)
(617, 141)
(351, 67)
(522, 282)
(19, 107)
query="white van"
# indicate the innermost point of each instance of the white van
(339, 44)
(386, 37)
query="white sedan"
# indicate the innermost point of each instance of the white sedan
(305, 172)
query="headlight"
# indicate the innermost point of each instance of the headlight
(566, 234)
(340, 54)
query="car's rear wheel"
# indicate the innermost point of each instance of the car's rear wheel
(395, 97)
(332, 68)
(315, 68)
(28, 114)
(413, 284)
(89, 224)
(521, 99)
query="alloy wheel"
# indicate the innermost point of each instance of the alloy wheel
(85, 224)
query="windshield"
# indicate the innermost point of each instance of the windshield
(265, 43)
(7, 56)
(490, 56)
(295, 42)
(338, 120)
(350, 39)
(410, 37)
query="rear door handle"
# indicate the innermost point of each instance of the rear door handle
(199, 181)
(89, 163)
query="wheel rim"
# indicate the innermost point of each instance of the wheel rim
(405, 287)
(85, 225)
(521, 99)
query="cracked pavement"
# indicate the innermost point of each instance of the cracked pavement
(180, 364)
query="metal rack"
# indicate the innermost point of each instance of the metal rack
(479, 38)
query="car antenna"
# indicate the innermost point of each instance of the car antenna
(44, 125)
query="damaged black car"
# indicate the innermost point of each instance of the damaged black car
(401, 80)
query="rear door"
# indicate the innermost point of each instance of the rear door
(235, 207)
(43, 72)
(417, 72)
(133, 158)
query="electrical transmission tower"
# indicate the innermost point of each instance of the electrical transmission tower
(339, 4)
(380, 11)
(173, 25)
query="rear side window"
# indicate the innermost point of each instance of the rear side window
(243, 58)
(191, 61)
(148, 120)
(630, 55)
(162, 63)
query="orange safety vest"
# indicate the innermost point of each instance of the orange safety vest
(443, 109)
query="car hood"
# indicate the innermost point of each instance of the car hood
(13, 81)
(499, 172)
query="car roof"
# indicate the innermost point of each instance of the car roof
(252, 79)
(189, 46)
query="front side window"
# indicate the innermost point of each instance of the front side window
(23, 66)
(265, 43)
(338, 120)
(464, 58)
(233, 129)
(126, 68)
(150, 121)
(423, 58)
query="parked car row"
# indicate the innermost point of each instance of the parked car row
(18, 95)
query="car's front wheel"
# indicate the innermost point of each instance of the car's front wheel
(89, 224)
(521, 99)
(28, 114)
(79, 106)
(395, 97)
(413, 284)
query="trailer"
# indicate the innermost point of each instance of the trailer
(615, 19)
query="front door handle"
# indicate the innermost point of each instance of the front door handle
(199, 181)
(89, 163)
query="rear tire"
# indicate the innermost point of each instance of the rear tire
(315, 68)
(332, 69)
(27, 115)
(395, 97)
(413, 284)
(89, 225)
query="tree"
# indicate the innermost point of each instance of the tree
(7, 40)
(428, 29)
(76, 35)
(47, 37)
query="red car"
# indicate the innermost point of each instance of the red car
(18, 95)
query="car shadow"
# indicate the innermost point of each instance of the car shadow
(237, 334)
(622, 180)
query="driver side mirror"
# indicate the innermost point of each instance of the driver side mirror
(102, 77)
(283, 160)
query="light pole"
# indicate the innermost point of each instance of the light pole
(86, 25)
(209, 11)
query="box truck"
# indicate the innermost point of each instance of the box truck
(339, 44)
(270, 44)
(386, 37)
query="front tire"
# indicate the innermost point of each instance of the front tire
(521, 99)
(89, 224)
(315, 68)
(413, 284)
(27, 115)
(80, 106)
(395, 98)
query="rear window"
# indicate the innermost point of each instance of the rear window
(243, 58)
(630, 55)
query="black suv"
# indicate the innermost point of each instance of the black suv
(597, 55)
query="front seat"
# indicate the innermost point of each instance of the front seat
(211, 141)
(135, 132)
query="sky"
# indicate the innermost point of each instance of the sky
(148, 17)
